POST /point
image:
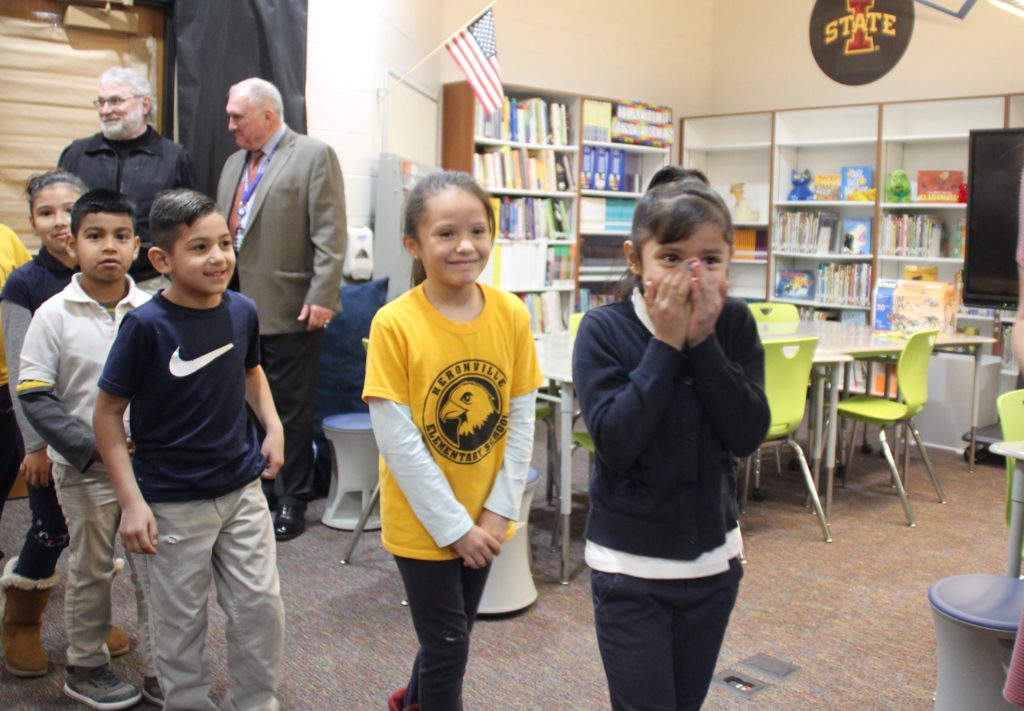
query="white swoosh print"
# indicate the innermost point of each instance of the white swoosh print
(182, 368)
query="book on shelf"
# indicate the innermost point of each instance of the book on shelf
(857, 235)
(857, 183)
(806, 232)
(600, 180)
(606, 214)
(908, 235)
(906, 306)
(794, 284)
(597, 120)
(616, 169)
(530, 218)
(640, 123)
(602, 252)
(860, 318)
(528, 120)
(744, 242)
(939, 185)
(843, 284)
(565, 175)
(587, 168)
(826, 186)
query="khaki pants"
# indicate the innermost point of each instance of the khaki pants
(229, 542)
(93, 515)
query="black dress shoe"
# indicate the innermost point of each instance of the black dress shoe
(290, 522)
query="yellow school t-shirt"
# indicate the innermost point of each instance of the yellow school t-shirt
(12, 255)
(457, 379)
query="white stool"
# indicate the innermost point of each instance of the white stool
(976, 618)
(354, 472)
(510, 583)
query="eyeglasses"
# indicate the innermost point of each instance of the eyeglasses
(113, 101)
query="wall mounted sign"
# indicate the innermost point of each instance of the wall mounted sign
(858, 41)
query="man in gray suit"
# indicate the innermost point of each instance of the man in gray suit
(284, 197)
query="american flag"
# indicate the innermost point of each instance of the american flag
(475, 50)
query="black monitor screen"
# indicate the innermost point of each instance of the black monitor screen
(993, 217)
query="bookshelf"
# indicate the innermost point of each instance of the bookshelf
(527, 157)
(731, 149)
(821, 249)
(613, 176)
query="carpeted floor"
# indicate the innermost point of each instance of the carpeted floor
(852, 616)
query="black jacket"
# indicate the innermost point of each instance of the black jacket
(666, 425)
(154, 164)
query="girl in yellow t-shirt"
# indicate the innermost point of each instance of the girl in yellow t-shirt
(451, 381)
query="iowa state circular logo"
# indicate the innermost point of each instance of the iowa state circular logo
(463, 413)
(858, 41)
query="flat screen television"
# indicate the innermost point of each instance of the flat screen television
(993, 217)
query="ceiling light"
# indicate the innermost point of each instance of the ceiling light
(1014, 6)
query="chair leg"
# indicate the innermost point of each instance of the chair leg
(778, 461)
(927, 461)
(360, 525)
(812, 492)
(552, 468)
(896, 477)
(744, 494)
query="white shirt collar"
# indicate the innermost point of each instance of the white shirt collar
(135, 296)
(640, 307)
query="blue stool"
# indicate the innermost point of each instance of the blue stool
(976, 618)
(510, 583)
(354, 471)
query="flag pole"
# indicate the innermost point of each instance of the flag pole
(439, 47)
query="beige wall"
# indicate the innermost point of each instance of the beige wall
(761, 57)
(656, 50)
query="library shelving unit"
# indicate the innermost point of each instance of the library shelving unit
(810, 262)
(736, 149)
(606, 218)
(526, 156)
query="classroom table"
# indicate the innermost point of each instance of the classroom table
(838, 344)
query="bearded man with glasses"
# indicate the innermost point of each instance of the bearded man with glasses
(129, 156)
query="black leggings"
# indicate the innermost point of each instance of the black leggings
(443, 598)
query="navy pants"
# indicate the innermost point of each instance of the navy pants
(659, 639)
(443, 598)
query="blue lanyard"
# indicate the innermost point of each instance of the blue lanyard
(247, 188)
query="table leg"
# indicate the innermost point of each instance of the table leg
(1016, 522)
(831, 436)
(565, 495)
(818, 421)
(974, 408)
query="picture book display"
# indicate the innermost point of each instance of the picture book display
(939, 185)
(857, 183)
(794, 284)
(826, 186)
(857, 235)
(644, 124)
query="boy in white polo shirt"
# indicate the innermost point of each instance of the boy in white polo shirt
(61, 361)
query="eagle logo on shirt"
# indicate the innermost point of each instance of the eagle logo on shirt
(464, 416)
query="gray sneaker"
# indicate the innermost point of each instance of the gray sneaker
(152, 692)
(99, 688)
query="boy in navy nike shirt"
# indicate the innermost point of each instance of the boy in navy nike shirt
(188, 363)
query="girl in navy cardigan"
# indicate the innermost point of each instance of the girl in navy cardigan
(671, 385)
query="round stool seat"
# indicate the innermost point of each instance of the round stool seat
(354, 470)
(976, 619)
(510, 585)
(992, 602)
(349, 422)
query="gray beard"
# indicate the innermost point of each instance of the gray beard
(119, 131)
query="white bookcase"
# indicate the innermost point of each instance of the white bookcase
(733, 149)
(823, 141)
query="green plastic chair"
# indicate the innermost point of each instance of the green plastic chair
(574, 323)
(787, 370)
(774, 312)
(1011, 420)
(912, 380)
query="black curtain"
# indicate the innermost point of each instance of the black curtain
(219, 44)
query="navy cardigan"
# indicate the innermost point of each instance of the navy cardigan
(666, 425)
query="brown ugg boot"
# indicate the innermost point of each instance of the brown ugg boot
(118, 643)
(22, 602)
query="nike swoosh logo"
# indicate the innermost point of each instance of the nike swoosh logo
(181, 368)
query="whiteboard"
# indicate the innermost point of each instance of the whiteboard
(410, 121)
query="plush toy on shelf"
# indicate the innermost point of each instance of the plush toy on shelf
(801, 180)
(742, 211)
(897, 186)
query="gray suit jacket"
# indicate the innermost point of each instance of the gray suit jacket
(295, 242)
